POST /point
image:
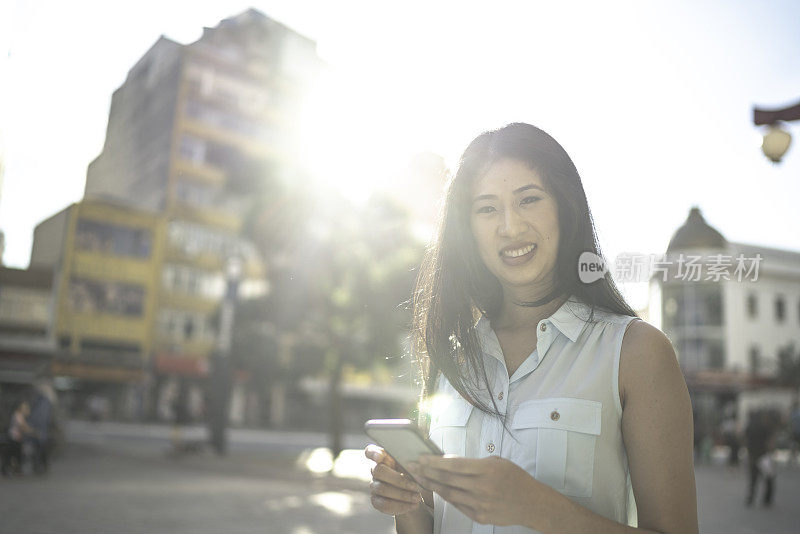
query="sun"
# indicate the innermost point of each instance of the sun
(346, 135)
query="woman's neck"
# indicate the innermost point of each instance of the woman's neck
(515, 317)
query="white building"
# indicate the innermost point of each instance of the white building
(729, 309)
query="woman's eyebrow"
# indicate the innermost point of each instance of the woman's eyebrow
(516, 192)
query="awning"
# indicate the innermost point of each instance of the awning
(99, 373)
(22, 368)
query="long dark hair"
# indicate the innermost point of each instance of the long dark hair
(454, 286)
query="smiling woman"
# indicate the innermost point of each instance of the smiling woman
(512, 197)
(567, 413)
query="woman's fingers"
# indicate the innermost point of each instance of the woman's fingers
(391, 492)
(384, 473)
(379, 455)
(382, 489)
(391, 506)
(374, 452)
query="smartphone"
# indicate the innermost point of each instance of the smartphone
(402, 439)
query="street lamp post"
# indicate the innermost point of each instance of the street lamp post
(776, 139)
(221, 368)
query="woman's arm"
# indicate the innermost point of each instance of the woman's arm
(419, 521)
(658, 432)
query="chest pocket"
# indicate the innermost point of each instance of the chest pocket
(449, 427)
(557, 438)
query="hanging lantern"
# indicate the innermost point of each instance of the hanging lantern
(776, 142)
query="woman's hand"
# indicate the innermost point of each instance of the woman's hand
(489, 490)
(391, 492)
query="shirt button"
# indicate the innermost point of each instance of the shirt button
(490, 447)
(543, 327)
(500, 396)
(554, 415)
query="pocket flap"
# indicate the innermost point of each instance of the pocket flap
(456, 413)
(576, 415)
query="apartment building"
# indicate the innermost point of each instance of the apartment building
(196, 135)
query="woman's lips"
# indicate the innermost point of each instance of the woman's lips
(519, 260)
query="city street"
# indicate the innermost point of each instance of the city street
(267, 484)
(94, 489)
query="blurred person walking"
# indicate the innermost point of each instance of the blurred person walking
(730, 436)
(759, 436)
(41, 420)
(99, 408)
(18, 430)
(794, 433)
(181, 417)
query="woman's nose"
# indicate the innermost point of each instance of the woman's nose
(511, 223)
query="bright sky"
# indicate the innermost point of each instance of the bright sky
(653, 100)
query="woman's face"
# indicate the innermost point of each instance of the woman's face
(515, 225)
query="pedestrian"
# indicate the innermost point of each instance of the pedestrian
(759, 435)
(555, 405)
(794, 433)
(41, 420)
(18, 430)
(181, 416)
(98, 406)
(731, 437)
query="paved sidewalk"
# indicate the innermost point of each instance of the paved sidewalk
(721, 493)
(92, 489)
(121, 478)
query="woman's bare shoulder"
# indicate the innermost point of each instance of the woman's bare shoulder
(646, 352)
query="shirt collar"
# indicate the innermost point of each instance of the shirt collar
(569, 319)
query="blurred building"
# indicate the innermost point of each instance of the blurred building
(106, 257)
(728, 308)
(195, 134)
(27, 343)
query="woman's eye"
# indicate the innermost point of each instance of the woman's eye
(529, 200)
(484, 209)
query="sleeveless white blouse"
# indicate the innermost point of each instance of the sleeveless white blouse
(562, 406)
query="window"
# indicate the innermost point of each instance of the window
(194, 239)
(716, 354)
(220, 119)
(673, 306)
(188, 327)
(192, 192)
(752, 306)
(692, 305)
(180, 326)
(709, 304)
(192, 281)
(22, 305)
(780, 309)
(96, 296)
(193, 149)
(755, 360)
(95, 236)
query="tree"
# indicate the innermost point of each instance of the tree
(362, 289)
(339, 275)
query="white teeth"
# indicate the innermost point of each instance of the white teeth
(518, 252)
